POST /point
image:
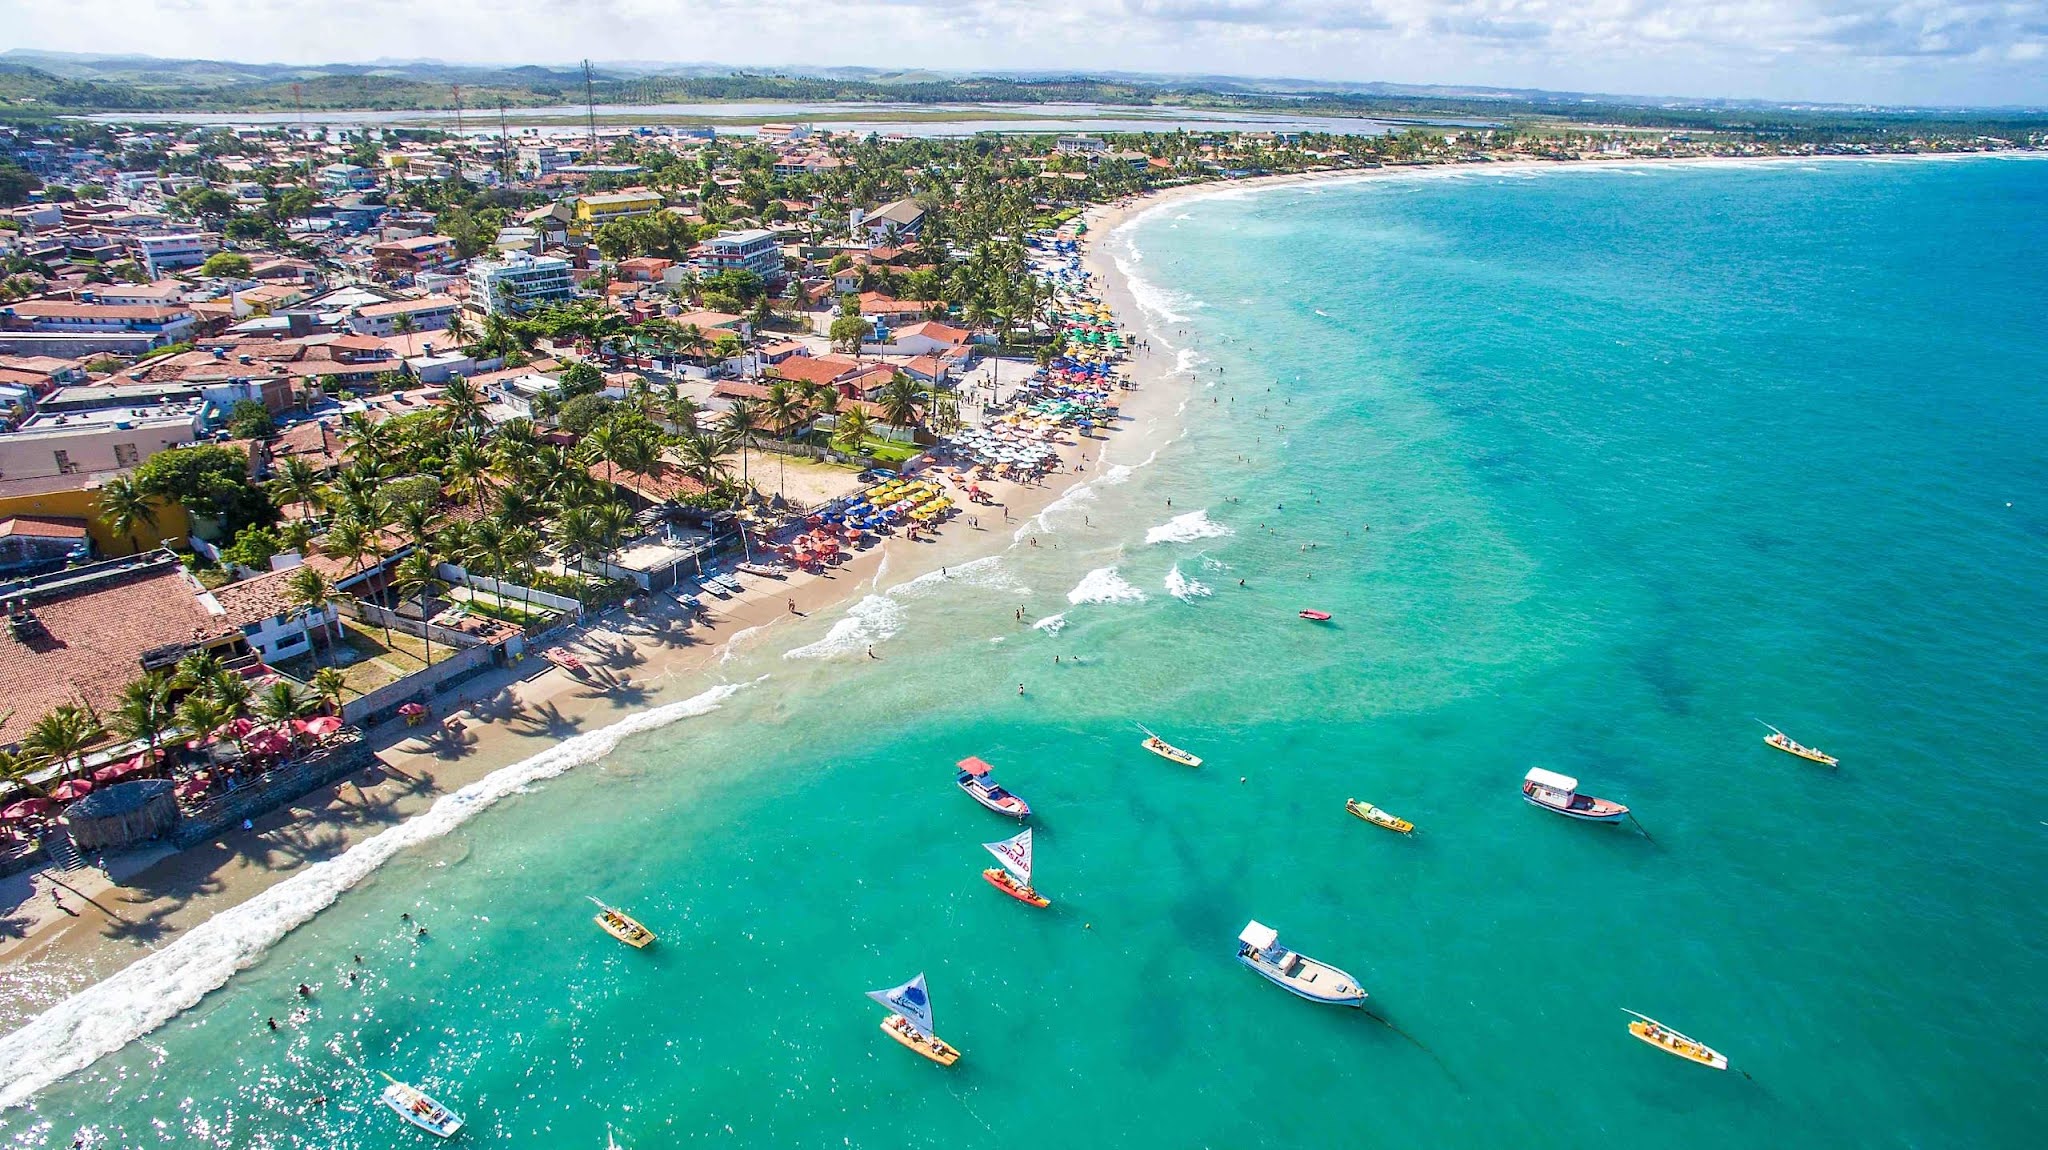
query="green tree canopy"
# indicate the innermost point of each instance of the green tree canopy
(211, 483)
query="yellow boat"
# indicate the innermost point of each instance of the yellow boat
(929, 1045)
(1785, 743)
(621, 925)
(1672, 1042)
(910, 1020)
(1378, 817)
(1166, 750)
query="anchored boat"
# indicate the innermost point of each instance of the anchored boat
(1013, 878)
(1560, 793)
(621, 925)
(1316, 616)
(1378, 817)
(1258, 947)
(414, 1105)
(1785, 743)
(1672, 1042)
(1166, 750)
(974, 780)
(911, 1024)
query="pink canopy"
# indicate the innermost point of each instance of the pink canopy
(973, 766)
(70, 789)
(412, 709)
(26, 808)
(240, 727)
(319, 727)
(191, 788)
(268, 743)
(113, 771)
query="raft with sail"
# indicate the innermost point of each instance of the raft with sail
(1672, 1042)
(1787, 744)
(1169, 752)
(1013, 878)
(911, 1022)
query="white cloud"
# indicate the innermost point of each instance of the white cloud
(1956, 51)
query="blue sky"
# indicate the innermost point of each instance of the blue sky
(1907, 51)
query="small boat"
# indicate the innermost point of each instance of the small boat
(621, 925)
(1013, 878)
(1785, 743)
(1258, 946)
(1672, 1042)
(413, 1105)
(973, 779)
(710, 583)
(1316, 616)
(1560, 793)
(1378, 817)
(761, 569)
(911, 1024)
(563, 659)
(1166, 750)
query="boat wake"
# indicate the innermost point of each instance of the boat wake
(875, 619)
(107, 1016)
(1183, 588)
(1104, 585)
(1187, 528)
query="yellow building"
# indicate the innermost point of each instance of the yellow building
(604, 207)
(45, 499)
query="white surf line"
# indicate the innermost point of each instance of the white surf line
(104, 1017)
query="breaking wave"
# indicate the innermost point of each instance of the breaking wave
(872, 620)
(107, 1016)
(1051, 624)
(1183, 588)
(1186, 529)
(1104, 585)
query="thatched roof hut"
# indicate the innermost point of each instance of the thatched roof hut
(121, 815)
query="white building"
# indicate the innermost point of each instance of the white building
(429, 313)
(160, 254)
(755, 250)
(113, 439)
(520, 282)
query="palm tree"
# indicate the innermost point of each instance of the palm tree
(458, 329)
(468, 470)
(314, 596)
(416, 576)
(520, 545)
(282, 702)
(681, 413)
(61, 736)
(196, 669)
(853, 429)
(901, 400)
(125, 506)
(576, 533)
(297, 482)
(465, 405)
(331, 684)
(740, 425)
(16, 768)
(784, 409)
(404, 326)
(230, 692)
(144, 710)
(200, 716)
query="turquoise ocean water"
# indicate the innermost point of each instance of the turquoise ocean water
(1646, 454)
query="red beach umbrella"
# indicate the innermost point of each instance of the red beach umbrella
(319, 727)
(412, 709)
(70, 789)
(113, 771)
(26, 808)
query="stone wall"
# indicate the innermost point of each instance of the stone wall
(274, 790)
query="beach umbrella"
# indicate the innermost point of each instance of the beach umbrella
(70, 789)
(191, 788)
(112, 771)
(268, 743)
(26, 808)
(318, 727)
(412, 709)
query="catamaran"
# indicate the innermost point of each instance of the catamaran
(1168, 751)
(1258, 947)
(1785, 743)
(1378, 817)
(1560, 794)
(911, 1024)
(973, 779)
(1013, 878)
(621, 925)
(1672, 1042)
(413, 1105)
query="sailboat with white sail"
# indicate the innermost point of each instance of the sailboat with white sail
(1013, 878)
(911, 1024)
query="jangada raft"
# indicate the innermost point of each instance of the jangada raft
(1168, 751)
(1258, 947)
(1560, 793)
(1013, 878)
(973, 779)
(1378, 817)
(1672, 1042)
(1785, 743)
(911, 1024)
(621, 925)
(413, 1105)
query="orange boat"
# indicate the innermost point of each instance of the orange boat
(911, 1020)
(1013, 878)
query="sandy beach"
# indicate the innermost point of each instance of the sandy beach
(633, 663)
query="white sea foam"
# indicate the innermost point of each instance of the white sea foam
(1183, 588)
(988, 572)
(1051, 624)
(872, 620)
(1104, 585)
(1162, 304)
(1186, 529)
(1067, 506)
(103, 1018)
(1186, 360)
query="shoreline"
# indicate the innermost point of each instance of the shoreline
(173, 926)
(647, 672)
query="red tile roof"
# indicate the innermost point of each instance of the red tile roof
(665, 482)
(254, 600)
(42, 527)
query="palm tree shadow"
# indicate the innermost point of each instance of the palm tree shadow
(546, 720)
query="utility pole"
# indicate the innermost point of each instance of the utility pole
(590, 105)
(299, 106)
(458, 110)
